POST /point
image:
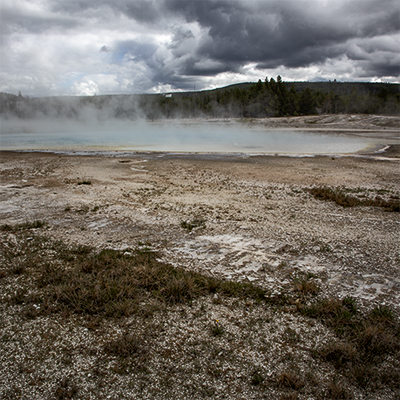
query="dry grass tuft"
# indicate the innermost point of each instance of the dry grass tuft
(340, 353)
(290, 380)
(340, 197)
(128, 345)
(337, 390)
(305, 287)
(37, 224)
(332, 310)
(365, 341)
(194, 223)
(289, 396)
(66, 390)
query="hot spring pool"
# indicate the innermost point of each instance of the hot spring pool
(174, 136)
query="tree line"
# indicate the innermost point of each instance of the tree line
(275, 98)
(268, 98)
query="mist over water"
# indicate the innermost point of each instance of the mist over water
(170, 136)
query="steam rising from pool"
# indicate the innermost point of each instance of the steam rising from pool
(172, 136)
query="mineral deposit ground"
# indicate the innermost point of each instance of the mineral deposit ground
(177, 276)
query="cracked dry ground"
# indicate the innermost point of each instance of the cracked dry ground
(244, 219)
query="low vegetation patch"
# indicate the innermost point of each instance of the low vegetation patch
(290, 380)
(37, 224)
(110, 282)
(194, 223)
(342, 197)
(306, 287)
(159, 326)
(365, 343)
(217, 329)
(66, 390)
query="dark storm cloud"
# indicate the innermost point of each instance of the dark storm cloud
(383, 69)
(191, 67)
(176, 81)
(284, 33)
(14, 19)
(139, 10)
(74, 7)
(87, 46)
(143, 11)
(289, 33)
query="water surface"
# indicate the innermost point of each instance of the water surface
(175, 137)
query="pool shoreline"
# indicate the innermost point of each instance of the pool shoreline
(379, 152)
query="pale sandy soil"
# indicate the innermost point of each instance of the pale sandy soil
(260, 224)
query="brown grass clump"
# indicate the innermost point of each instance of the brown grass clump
(110, 283)
(337, 390)
(194, 223)
(290, 380)
(340, 197)
(131, 352)
(339, 353)
(37, 224)
(366, 342)
(332, 310)
(257, 378)
(289, 396)
(217, 329)
(307, 287)
(66, 390)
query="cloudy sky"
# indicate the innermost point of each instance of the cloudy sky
(86, 47)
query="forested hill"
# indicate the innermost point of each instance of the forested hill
(269, 98)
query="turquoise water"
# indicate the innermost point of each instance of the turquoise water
(174, 137)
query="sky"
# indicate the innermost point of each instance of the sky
(88, 47)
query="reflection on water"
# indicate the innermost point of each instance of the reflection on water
(172, 137)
